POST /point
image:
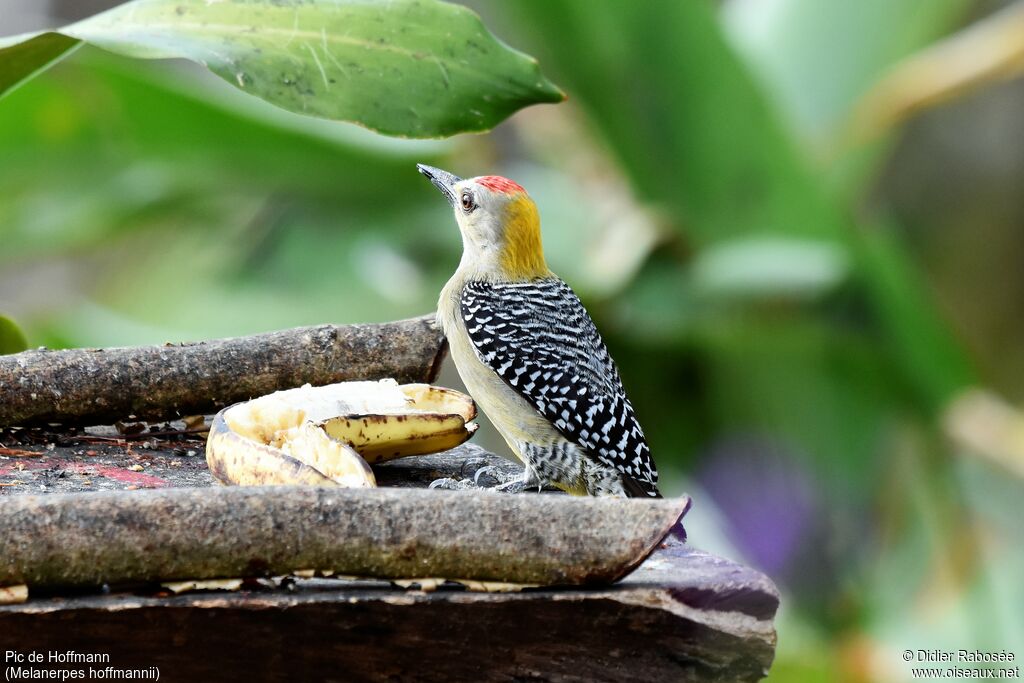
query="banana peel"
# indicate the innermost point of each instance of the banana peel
(326, 436)
(234, 457)
(444, 419)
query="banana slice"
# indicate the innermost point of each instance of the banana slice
(435, 419)
(324, 436)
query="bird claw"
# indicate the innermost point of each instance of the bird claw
(450, 484)
(490, 471)
(524, 482)
(519, 484)
(515, 486)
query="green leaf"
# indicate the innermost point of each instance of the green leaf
(416, 68)
(25, 56)
(12, 340)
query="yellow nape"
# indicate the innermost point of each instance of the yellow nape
(522, 256)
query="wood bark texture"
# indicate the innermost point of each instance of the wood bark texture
(89, 539)
(100, 386)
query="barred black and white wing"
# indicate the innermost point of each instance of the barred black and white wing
(541, 341)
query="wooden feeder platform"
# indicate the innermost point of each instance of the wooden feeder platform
(682, 615)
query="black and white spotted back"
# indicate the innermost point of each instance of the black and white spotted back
(540, 340)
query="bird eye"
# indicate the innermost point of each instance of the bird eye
(467, 202)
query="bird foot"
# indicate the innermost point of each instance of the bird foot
(518, 485)
(451, 484)
(504, 484)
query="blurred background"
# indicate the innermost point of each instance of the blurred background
(799, 225)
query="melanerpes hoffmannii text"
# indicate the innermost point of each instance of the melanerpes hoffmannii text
(529, 353)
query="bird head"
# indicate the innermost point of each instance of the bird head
(499, 222)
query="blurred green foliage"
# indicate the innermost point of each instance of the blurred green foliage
(776, 328)
(12, 339)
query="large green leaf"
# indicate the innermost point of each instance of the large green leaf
(416, 68)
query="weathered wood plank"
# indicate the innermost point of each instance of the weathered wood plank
(673, 619)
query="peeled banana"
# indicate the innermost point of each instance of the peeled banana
(325, 436)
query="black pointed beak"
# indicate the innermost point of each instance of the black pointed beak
(444, 180)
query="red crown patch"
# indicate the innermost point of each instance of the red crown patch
(499, 184)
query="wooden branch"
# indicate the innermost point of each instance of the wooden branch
(88, 539)
(99, 386)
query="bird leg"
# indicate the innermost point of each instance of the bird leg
(525, 481)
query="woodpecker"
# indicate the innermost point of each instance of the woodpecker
(529, 353)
